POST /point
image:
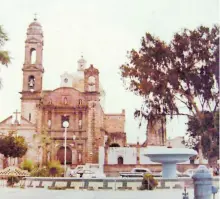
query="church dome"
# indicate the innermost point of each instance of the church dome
(35, 28)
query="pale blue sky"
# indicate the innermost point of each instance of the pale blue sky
(104, 31)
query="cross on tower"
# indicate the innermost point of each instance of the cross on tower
(35, 16)
(16, 117)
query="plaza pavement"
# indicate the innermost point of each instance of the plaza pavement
(33, 193)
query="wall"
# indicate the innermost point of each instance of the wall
(113, 170)
(114, 122)
(129, 155)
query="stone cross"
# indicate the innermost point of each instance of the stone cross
(35, 16)
(16, 116)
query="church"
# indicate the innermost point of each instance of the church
(79, 100)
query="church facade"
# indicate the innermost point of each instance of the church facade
(79, 100)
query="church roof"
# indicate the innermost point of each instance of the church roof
(35, 28)
(10, 121)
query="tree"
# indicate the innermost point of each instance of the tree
(208, 131)
(181, 73)
(13, 146)
(4, 55)
(44, 141)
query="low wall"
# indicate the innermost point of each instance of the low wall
(112, 170)
(103, 184)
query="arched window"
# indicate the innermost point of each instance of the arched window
(29, 116)
(91, 83)
(120, 160)
(33, 56)
(80, 120)
(80, 102)
(31, 82)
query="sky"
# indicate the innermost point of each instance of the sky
(101, 31)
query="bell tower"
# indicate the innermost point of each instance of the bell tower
(32, 72)
(32, 68)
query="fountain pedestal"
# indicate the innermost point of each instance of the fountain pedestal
(169, 170)
(169, 157)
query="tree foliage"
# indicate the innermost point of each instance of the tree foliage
(208, 131)
(13, 146)
(4, 55)
(27, 165)
(184, 71)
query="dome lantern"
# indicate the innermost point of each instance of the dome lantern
(81, 64)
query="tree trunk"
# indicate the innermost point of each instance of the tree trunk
(5, 162)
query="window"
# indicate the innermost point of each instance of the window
(65, 80)
(33, 56)
(64, 118)
(80, 102)
(31, 82)
(29, 116)
(80, 120)
(91, 83)
(91, 80)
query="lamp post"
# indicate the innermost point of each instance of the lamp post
(65, 125)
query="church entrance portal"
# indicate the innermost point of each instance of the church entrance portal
(60, 155)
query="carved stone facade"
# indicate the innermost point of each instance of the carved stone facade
(79, 100)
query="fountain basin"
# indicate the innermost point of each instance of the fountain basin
(169, 157)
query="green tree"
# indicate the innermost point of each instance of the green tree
(182, 73)
(208, 130)
(13, 146)
(4, 55)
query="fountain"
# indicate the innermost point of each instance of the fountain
(169, 157)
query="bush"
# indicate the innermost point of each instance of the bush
(27, 165)
(55, 169)
(40, 172)
(12, 180)
(148, 182)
